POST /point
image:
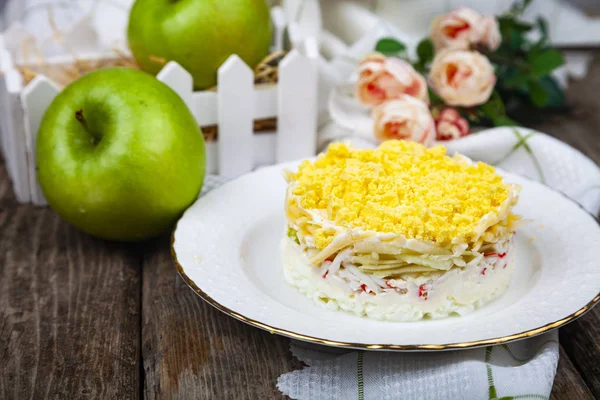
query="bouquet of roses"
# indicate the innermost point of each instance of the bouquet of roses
(472, 70)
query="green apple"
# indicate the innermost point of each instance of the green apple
(119, 155)
(198, 34)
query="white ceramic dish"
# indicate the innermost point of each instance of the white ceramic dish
(226, 247)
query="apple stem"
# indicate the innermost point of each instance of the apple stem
(81, 118)
(94, 138)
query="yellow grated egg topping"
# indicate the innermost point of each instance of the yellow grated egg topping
(400, 187)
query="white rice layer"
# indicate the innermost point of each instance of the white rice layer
(433, 295)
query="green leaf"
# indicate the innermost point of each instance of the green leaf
(434, 99)
(519, 7)
(542, 25)
(513, 33)
(494, 111)
(510, 22)
(390, 46)
(513, 78)
(522, 26)
(425, 51)
(504, 121)
(545, 61)
(537, 93)
(494, 107)
(420, 68)
(516, 39)
(556, 96)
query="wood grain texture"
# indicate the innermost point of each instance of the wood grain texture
(7, 197)
(69, 310)
(192, 351)
(581, 341)
(568, 384)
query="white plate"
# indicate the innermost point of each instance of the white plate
(226, 247)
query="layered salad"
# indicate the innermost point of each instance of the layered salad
(399, 233)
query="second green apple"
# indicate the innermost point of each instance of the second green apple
(198, 34)
(119, 155)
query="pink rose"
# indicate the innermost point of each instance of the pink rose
(490, 37)
(463, 27)
(450, 125)
(462, 78)
(382, 79)
(404, 118)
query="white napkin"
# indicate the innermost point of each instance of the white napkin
(523, 369)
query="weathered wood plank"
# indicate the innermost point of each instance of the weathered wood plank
(581, 341)
(7, 196)
(69, 309)
(568, 384)
(192, 351)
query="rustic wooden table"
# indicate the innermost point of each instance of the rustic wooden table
(85, 318)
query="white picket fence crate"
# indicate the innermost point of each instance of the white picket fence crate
(233, 107)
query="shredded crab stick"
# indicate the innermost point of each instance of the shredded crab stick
(399, 219)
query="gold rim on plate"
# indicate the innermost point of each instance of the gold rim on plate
(462, 345)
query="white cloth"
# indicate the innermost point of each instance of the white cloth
(525, 368)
